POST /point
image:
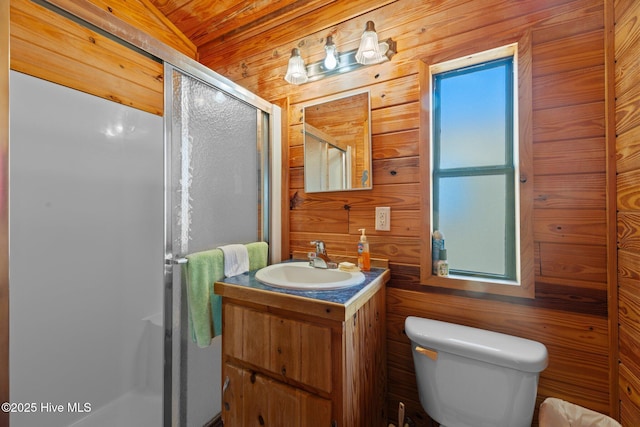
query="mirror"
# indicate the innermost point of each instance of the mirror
(337, 144)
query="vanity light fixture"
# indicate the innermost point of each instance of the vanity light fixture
(296, 71)
(370, 52)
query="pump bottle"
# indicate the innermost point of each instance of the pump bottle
(364, 258)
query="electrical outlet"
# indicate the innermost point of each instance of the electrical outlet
(383, 218)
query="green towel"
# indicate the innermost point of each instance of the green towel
(200, 273)
(258, 255)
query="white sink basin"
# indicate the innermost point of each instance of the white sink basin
(300, 275)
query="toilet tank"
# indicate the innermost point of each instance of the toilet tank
(469, 377)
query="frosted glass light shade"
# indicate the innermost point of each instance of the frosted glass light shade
(370, 50)
(296, 71)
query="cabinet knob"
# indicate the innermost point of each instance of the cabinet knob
(260, 420)
(284, 371)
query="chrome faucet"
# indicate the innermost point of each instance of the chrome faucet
(319, 258)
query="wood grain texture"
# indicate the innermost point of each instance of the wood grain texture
(143, 14)
(627, 93)
(573, 52)
(88, 61)
(575, 226)
(628, 195)
(580, 191)
(205, 21)
(629, 231)
(628, 150)
(585, 155)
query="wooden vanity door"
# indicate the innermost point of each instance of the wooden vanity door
(263, 352)
(253, 400)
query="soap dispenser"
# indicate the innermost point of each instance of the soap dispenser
(364, 259)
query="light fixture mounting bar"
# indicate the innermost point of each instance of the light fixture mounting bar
(346, 63)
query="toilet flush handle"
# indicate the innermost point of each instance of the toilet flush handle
(431, 354)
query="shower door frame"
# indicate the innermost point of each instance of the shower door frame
(175, 363)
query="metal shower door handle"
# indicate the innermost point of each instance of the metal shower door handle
(172, 261)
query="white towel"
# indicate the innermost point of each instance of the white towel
(236, 259)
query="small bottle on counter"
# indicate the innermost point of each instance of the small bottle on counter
(442, 265)
(364, 258)
(437, 243)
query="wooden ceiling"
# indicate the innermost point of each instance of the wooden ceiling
(212, 21)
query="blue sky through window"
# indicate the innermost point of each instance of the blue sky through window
(476, 98)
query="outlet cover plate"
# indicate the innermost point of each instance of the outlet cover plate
(383, 218)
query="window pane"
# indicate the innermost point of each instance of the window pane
(472, 116)
(471, 215)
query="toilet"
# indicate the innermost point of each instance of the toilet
(469, 377)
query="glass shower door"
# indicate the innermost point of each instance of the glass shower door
(214, 195)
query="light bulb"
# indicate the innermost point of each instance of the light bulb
(331, 57)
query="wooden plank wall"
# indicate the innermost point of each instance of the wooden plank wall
(570, 311)
(47, 45)
(627, 90)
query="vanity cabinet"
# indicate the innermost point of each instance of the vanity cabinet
(297, 361)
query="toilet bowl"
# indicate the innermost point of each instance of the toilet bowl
(469, 377)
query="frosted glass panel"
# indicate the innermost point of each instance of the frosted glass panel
(216, 175)
(469, 217)
(476, 99)
(215, 178)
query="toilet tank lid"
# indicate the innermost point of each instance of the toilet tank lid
(488, 346)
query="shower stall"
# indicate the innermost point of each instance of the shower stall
(86, 240)
(104, 202)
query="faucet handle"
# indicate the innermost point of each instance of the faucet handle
(319, 246)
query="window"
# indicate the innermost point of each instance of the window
(476, 180)
(473, 190)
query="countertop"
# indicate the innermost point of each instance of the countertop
(335, 303)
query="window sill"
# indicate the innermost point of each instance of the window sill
(480, 285)
(478, 279)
